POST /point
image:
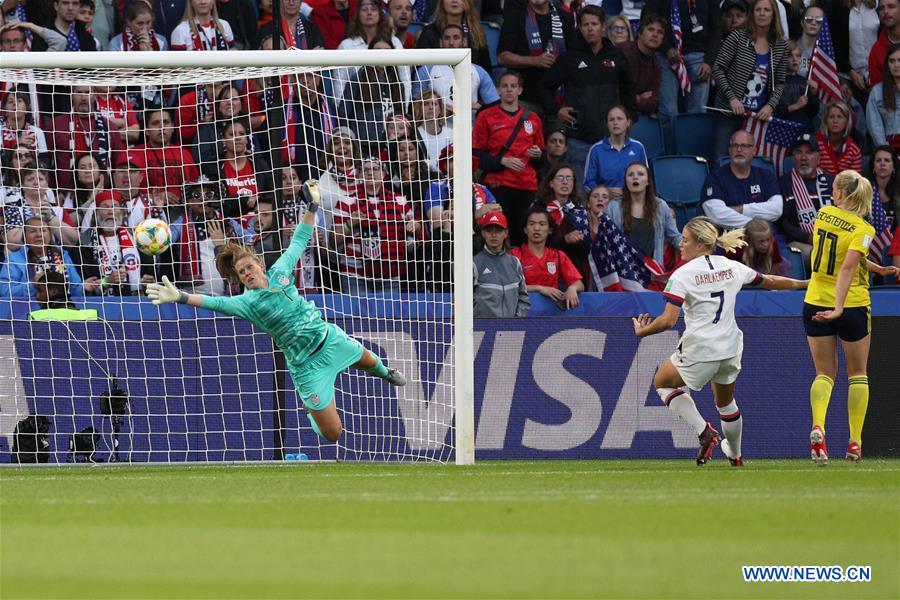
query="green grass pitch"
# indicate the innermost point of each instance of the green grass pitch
(559, 529)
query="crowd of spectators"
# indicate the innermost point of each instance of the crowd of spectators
(558, 173)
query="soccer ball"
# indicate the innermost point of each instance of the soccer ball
(152, 236)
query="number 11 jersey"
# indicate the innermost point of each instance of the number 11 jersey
(836, 232)
(706, 288)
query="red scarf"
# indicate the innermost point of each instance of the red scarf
(130, 41)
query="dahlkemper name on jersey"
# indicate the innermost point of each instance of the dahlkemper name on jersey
(706, 288)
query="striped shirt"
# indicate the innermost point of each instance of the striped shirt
(376, 247)
(848, 157)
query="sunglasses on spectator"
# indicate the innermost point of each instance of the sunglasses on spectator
(618, 28)
(816, 20)
(208, 194)
(564, 178)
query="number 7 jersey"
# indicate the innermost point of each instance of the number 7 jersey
(836, 232)
(706, 288)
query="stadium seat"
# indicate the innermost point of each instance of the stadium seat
(649, 132)
(795, 257)
(758, 161)
(788, 163)
(679, 181)
(415, 27)
(492, 31)
(694, 134)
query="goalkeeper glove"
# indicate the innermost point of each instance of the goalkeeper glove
(311, 190)
(160, 293)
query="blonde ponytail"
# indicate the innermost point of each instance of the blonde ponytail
(856, 192)
(707, 234)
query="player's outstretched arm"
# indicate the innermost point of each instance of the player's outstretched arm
(160, 293)
(881, 270)
(776, 282)
(644, 325)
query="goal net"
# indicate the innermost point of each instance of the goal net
(217, 145)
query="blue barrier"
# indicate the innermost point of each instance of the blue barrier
(750, 303)
(545, 388)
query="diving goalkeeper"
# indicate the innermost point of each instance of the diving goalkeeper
(316, 351)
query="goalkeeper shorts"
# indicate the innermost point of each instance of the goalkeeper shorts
(314, 379)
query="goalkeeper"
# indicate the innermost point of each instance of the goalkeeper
(316, 351)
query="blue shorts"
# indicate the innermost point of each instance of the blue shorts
(854, 324)
(314, 379)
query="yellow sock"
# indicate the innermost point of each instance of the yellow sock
(819, 396)
(857, 403)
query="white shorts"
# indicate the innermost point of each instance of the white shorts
(698, 374)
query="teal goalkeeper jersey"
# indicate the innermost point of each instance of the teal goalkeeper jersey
(295, 324)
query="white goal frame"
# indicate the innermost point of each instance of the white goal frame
(459, 59)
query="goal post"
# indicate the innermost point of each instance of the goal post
(215, 409)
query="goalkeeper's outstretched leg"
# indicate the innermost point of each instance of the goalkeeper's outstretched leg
(315, 382)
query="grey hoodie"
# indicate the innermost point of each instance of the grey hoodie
(499, 285)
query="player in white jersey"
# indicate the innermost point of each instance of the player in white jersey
(710, 348)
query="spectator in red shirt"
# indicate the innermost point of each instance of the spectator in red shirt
(111, 103)
(82, 130)
(332, 18)
(838, 150)
(371, 232)
(508, 160)
(889, 15)
(545, 266)
(167, 164)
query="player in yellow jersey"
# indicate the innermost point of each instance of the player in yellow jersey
(837, 305)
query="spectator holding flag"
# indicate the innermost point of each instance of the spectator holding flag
(687, 55)
(750, 72)
(839, 151)
(806, 189)
(811, 21)
(822, 65)
(643, 216)
(883, 108)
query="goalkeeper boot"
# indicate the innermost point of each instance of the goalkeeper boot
(709, 439)
(736, 461)
(854, 452)
(817, 449)
(395, 377)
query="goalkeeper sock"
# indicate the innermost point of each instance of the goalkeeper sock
(315, 427)
(379, 370)
(819, 397)
(732, 426)
(681, 403)
(857, 403)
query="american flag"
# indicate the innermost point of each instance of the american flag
(616, 263)
(680, 69)
(822, 68)
(773, 138)
(883, 236)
